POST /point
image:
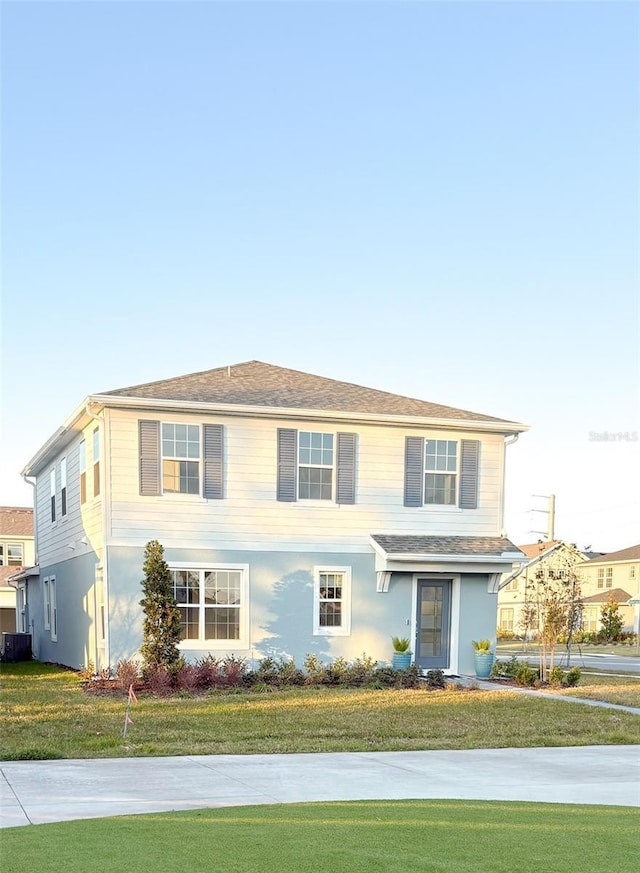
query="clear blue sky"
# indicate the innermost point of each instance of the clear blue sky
(436, 199)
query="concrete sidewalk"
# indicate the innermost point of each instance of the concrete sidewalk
(35, 792)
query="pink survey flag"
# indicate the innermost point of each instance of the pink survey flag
(132, 695)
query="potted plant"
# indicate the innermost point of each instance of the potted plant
(401, 653)
(483, 657)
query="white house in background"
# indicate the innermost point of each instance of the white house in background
(613, 576)
(16, 552)
(298, 514)
(544, 559)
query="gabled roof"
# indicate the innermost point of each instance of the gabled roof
(632, 553)
(608, 594)
(16, 521)
(542, 547)
(254, 383)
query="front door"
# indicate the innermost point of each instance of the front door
(434, 624)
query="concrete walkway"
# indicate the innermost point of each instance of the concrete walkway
(35, 792)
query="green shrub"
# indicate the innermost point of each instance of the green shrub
(557, 677)
(573, 676)
(526, 676)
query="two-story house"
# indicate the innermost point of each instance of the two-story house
(613, 576)
(298, 514)
(16, 551)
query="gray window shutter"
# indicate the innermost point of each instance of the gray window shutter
(469, 466)
(213, 442)
(149, 436)
(287, 463)
(413, 471)
(346, 468)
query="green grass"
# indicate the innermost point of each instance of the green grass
(46, 714)
(361, 837)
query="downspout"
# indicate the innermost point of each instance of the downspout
(103, 561)
(508, 441)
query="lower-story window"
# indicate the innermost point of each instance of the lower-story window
(332, 601)
(590, 619)
(213, 604)
(506, 619)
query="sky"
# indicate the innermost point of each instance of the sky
(438, 199)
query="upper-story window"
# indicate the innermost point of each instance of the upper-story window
(11, 555)
(82, 466)
(441, 472)
(632, 571)
(514, 585)
(63, 487)
(605, 577)
(96, 462)
(181, 458)
(52, 492)
(177, 458)
(315, 465)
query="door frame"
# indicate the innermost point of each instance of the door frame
(454, 635)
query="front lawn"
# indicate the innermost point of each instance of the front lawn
(47, 714)
(361, 837)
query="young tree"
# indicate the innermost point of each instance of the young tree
(612, 621)
(555, 597)
(161, 628)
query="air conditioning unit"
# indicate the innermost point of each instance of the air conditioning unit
(16, 647)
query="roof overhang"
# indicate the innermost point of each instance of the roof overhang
(452, 560)
(22, 575)
(94, 404)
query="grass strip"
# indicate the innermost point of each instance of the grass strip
(46, 714)
(361, 837)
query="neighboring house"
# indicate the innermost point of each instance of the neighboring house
(16, 552)
(613, 576)
(298, 515)
(546, 559)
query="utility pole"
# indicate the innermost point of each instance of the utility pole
(551, 515)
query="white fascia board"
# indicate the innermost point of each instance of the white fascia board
(416, 557)
(58, 440)
(503, 427)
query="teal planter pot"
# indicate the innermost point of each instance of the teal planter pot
(401, 660)
(484, 663)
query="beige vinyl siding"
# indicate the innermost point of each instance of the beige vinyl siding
(249, 516)
(54, 540)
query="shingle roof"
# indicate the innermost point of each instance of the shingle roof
(617, 594)
(632, 553)
(532, 550)
(5, 572)
(433, 545)
(16, 521)
(254, 383)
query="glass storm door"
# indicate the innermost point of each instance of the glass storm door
(434, 624)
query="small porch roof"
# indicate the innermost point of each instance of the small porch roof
(408, 553)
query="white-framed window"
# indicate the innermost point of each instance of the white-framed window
(605, 577)
(96, 462)
(315, 465)
(180, 458)
(52, 492)
(11, 554)
(512, 586)
(505, 619)
(46, 604)
(632, 571)
(590, 619)
(82, 466)
(50, 607)
(63, 487)
(22, 607)
(214, 604)
(441, 472)
(332, 601)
